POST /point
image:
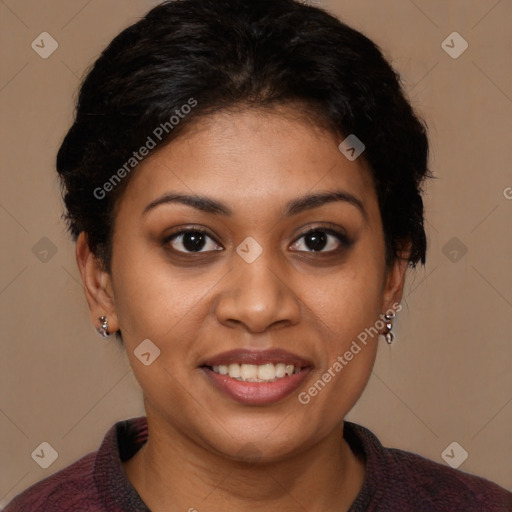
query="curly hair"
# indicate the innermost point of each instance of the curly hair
(221, 54)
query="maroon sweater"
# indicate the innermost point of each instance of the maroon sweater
(395, 480)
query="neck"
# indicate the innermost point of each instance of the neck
(171, 473)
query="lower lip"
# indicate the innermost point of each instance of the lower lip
(256, 393)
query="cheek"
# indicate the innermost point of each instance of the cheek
(156, 300)
(346, 308)
(141, 288)
(160, 304)
(348, 300)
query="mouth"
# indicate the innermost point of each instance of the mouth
(268, 372)
(256, 377)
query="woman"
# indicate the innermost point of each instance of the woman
(243, 182)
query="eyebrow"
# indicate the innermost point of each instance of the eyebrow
(294, 207)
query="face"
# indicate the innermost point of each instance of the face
(259, 267)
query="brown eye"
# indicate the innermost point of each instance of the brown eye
(192, 240)
(321, 240)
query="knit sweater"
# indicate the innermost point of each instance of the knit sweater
(395, 480)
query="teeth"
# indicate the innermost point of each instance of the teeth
(267, 372)
(233, 370)
(280, 370)
(248, 372)
(256, 373)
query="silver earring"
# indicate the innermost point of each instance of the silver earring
(103, 332)
(389, 325)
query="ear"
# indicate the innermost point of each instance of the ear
(394, 282)
(97, 284)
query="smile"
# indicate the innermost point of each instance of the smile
(251, 377)
(268, 372)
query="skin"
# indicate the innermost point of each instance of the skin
(206, 451)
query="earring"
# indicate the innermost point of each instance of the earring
(103, 332)
(389, 325)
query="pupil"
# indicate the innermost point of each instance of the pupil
(316, 240)
(193, 241)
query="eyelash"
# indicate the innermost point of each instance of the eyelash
(345, 242)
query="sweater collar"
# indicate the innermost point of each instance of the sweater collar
(126, 437)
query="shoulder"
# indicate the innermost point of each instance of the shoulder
(72, 486)
(398, 480)
(96, 482)
(446, 488)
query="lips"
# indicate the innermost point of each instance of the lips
(254, 391)
(241, 356)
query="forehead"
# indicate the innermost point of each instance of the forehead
(248, 158)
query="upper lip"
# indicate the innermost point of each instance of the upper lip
(244, 356)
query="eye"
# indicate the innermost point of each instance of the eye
(193, 240)
(322, 240)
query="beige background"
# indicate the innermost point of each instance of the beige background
(446, 378)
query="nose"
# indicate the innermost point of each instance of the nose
(258, 296)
